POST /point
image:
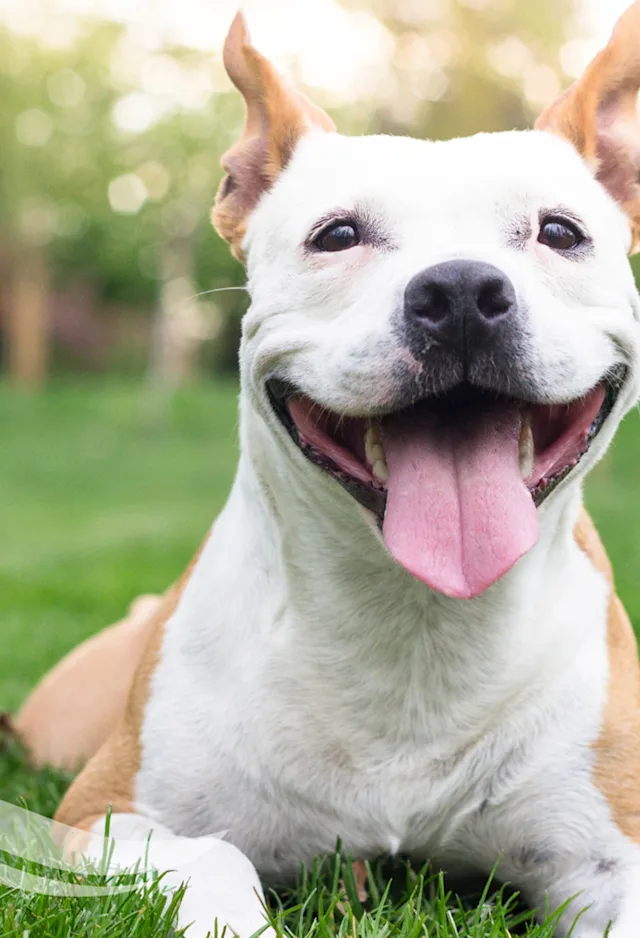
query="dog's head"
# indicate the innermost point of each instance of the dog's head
(447, 330)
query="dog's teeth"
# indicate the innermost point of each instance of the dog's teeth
(372, 446)
(526, 449)
(375, 454)
(380, 471)
(368, 443)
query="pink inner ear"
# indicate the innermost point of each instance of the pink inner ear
(616, 173)
(618, 146)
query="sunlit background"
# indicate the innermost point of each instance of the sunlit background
(118, 381)
(115, 112)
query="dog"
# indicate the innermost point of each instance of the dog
(402, 630)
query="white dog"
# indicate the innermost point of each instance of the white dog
(402, 630)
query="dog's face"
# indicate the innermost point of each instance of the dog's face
(450, 330)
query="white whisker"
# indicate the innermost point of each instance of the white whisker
(217, 290)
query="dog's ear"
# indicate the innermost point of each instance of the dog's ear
(277, 116)
(599, 116)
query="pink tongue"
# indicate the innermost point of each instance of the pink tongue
(458, 514)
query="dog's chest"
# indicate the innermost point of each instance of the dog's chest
(286, 797)
(396, 762)
(289, 735)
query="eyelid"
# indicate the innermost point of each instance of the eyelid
(564, 216)
(369, 223)
(329, 221)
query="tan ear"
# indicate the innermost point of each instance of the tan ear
(277, 116)
(599, 116)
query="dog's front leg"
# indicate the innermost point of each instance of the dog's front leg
(618, 916)
(627, 923)
(601, 898)
(223, 885)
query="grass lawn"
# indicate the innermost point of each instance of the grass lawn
(103, 497)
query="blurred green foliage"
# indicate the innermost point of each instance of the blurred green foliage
(470, 66)
(62, 148)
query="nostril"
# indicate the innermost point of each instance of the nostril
(493, 299)
(436, 304)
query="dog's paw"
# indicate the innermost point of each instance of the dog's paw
(224, 891)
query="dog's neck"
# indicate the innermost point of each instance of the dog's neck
(294, 569)
(294, 588)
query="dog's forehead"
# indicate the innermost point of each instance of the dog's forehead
(406, 178)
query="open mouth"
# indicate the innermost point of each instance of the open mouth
(454, 480)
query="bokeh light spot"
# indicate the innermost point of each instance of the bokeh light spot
(34, 128)
(66, 88)
(127, 194)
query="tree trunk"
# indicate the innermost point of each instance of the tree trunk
(27, 325)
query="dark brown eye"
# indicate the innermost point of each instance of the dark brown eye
(559, 234)
(339, 237)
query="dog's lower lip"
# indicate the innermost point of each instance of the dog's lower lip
(356, 473)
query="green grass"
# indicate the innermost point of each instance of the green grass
(104, 495)
(99, 500)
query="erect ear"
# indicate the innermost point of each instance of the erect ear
(599, 116)
(277, 116)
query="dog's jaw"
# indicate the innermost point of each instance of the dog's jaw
(446, 494)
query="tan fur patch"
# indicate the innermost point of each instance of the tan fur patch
(108, 778)
(99, 672)
(617, 771)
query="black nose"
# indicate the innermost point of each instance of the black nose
(460, 303)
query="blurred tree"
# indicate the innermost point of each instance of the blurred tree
(102, 182)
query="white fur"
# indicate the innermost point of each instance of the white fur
(309, 688)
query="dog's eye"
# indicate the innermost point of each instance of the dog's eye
(559, 234)
(339, 237)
